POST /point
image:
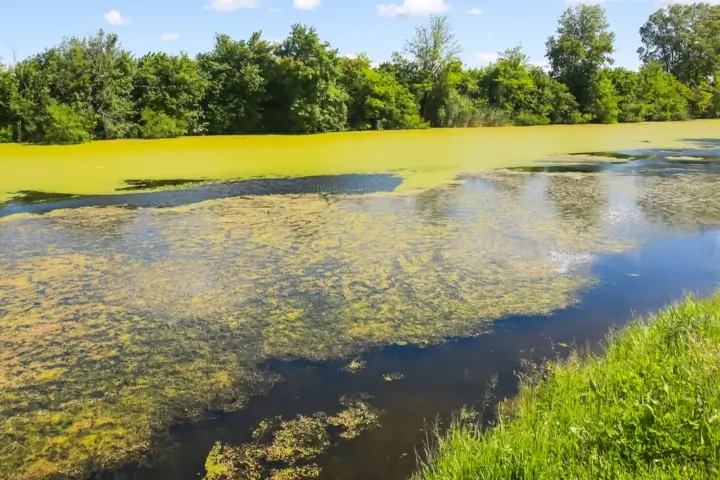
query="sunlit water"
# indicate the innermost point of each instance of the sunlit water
(118, 323)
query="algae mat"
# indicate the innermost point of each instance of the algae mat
(425, 158)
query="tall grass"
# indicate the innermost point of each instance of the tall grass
(648, 407)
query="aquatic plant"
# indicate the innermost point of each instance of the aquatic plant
(285, 449)
(646, 408)
(117, 323)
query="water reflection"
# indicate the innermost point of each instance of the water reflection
(118, 322)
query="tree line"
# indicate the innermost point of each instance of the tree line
(92, 88)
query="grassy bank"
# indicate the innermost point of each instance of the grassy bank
(649, 407)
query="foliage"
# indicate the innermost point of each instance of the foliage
(238, 76)
(685, 41)
(605, 100)
(160, 125)
(173, 87)
(301, 86)
(64, 124)
(377, 100)
(582, 47)
(645, 409)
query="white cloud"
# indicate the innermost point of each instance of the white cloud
(306, 4)
(487, 57)
(541, 63)
(475, 11)
(275, 10)
(113, 17)
(169, 37)
(413, 8)
(351, 56)
(231, 5)
(688, 2)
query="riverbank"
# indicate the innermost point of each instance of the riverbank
(648, 407)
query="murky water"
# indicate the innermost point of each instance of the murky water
(118, 323)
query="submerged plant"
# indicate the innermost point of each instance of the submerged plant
(115, 323)
(284, 450)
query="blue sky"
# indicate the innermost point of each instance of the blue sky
(376, 27)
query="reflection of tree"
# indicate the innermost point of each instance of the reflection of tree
(579, 200)
(680, 200)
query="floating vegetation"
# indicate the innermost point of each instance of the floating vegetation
(354, 366)
(115, 323)
(391, 377)
(286, 449)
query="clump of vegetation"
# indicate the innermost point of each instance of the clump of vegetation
(391, 377)
(357, 417)
(646, 408)
(355, 366)
(285, 449)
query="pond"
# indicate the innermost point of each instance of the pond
(141, 326)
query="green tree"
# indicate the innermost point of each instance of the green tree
(605, 100)
(8, 96)
(685, 41)
(626, 83)
(304, 95)
(663, 96)
(160, 125)
(238, 75)
(377, 101)
(96, 75)
(64, 125)
(172, 86)
(430, 66)
(582, 46)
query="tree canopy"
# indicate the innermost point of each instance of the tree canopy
(92, 88)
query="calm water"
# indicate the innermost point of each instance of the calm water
(119, 323)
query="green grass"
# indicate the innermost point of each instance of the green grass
(649, 407)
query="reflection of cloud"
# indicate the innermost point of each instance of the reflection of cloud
(568, 261)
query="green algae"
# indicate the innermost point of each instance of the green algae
(117, 323)
(424, 158)
(285, 450)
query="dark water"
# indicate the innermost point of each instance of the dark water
(440, 379)
(41, 202)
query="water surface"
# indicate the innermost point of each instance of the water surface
(120, 323)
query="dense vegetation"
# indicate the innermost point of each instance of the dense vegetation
(647, 408)
(92, 88)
